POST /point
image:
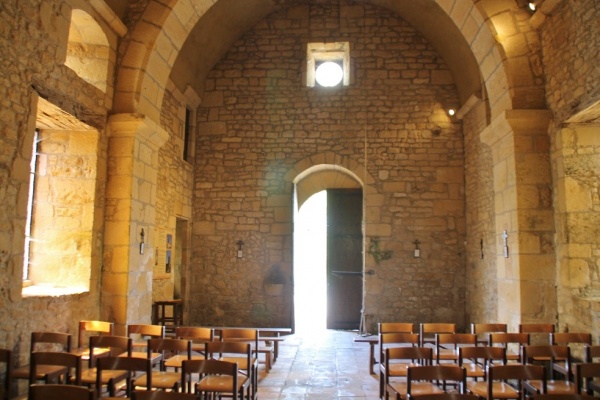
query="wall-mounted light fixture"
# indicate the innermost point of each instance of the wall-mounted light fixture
(240, 252)
(451, 112)
(532, 6)
(417, 252)
(142, 241)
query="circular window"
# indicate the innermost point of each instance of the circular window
(329, 74)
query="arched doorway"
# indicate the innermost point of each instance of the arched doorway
(328, 249)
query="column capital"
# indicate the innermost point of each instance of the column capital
(137, 125)
(516, 122)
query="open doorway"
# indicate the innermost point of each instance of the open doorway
(310, 256)
(328, 261)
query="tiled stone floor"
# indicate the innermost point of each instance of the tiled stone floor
(320, 365)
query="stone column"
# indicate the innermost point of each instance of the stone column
(523, 205)
(126, 289)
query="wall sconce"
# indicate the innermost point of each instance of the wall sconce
(532, 6)
(240, 253)
(142, 241)
(451, 112)
(417, 252)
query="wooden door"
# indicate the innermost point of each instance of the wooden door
(344, 258)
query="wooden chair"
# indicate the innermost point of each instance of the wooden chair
(562, 397)
(89, 328)
(577, 343)
(396, 327)
(397, 360)
(550, 353)
(70, 363)
(198, 336)
(398, 367)
(498, 387)
(45, 341)
(121, 368)
(448, 344)
(140, 333)
(6, 388)
(163, 379)
(587, 378)
(476, 361)
(483, 330)
(428, 330)
(60, 392)
(239, 353)
(116, 345)
(509, 340)
(162, 395)
(215, 377)
(250, 336)
(538, 333)
(430, 379)
(591, 353)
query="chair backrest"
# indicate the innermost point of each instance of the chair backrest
(133, 365)
(539, 333)
(209, 366)
(482, 330)
(548, 352)
(453, 341)
(485, 356)
(240, 335)
(194, 333)
(116, 344)
(397, 339)
(50, 341)
(418, 355)
(567, 338)
(6, 359)
(68, 360)
(60, 392)
(508, 340)
(585, 373)
(441, 374)
(163, 395)
(427, 330)
(215, 350)
(561, 396)
(96, 327)
(396, 327)
(518, 373)
(169, 347)
(146, 331)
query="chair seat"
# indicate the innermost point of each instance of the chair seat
(177, 360)
(399, 369)
(88, 376)
(217, 383)
(474, 370)
(500, 390)
(417, 388)
(554, 387)
(447, 354)
(43, 371)
(84, 352)
(160, 380)
(241, 361)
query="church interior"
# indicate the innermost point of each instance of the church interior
(158, 150)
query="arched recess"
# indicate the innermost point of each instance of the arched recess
(163, 29)
(88, 50)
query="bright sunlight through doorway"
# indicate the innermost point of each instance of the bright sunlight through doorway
(310, 257)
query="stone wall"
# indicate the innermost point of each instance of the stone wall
(258, 122)
(571, 43)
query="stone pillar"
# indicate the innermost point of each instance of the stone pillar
(523, 206)
(126, 290)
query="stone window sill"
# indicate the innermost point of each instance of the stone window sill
(41, 290)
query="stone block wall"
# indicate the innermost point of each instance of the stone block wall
(258, 122)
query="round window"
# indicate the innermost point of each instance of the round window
(329, 74)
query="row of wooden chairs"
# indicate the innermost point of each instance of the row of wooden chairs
(163, 353)
(438, 343)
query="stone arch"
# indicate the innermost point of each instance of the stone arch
(88, 50)
(164, 27)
